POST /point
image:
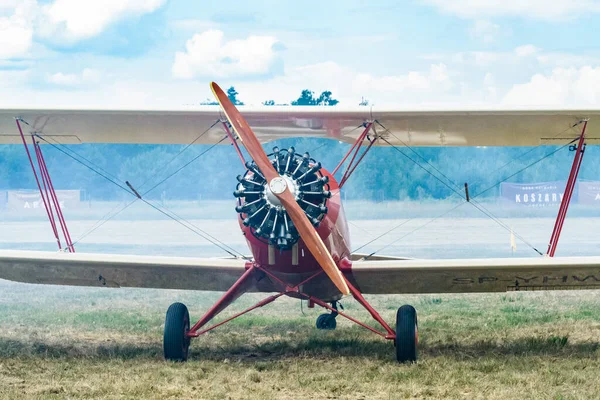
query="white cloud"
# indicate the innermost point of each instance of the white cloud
(64, 21)
(431, 86)
(489, 84)
(85, 77)
(485, 58)
(485, 30)
(208, 55)
(572, 86)
(75, 20)
(16, 33)
(526, 50)
(542, 9)
(567, 60)
(414, 82)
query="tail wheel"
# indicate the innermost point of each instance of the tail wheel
(175, 342)
(326, 322)
(407, 337)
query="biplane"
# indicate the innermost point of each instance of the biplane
(291, 213)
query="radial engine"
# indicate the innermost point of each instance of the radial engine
(262, 211)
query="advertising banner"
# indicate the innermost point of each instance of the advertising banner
(31, 199)
(589, 193)
(540, 194)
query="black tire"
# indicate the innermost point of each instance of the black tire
(407, 336)
(175, 342)
(326, 322)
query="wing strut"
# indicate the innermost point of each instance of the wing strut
(566, 200)
(48, 194)
(228, 128)
(356, 148)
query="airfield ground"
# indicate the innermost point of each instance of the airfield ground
(60, 342)
(70, 342)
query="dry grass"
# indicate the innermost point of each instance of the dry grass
(58, 342)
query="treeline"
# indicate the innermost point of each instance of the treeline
(306, 98)
(385, 173)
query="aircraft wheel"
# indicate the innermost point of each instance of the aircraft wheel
(407, 337)
(326, 321)
(175, 343)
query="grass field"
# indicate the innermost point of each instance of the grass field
(64, 342)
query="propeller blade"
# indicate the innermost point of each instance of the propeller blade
(279, 188)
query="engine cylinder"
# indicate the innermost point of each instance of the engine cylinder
(262, 211)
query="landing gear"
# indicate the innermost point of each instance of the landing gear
(407, 337)
(327, 321)
(175, 342)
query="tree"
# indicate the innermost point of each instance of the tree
(209, 102)
(268, 103)
(232, 94)
(326, 100)
(307, 99)
(363, 102)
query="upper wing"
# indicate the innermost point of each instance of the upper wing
(476, 275)
(120, 270)
(414, 128)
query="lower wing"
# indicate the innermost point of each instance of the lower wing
(381, 276)
(112, 270)
(475, 275)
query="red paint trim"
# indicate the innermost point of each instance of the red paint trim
(569, 188)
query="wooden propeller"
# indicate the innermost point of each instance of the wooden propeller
(279, 188)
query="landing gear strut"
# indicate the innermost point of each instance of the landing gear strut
(178, 332)
(327, 321)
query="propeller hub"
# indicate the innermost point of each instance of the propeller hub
(278, 186)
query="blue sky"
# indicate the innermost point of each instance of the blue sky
(409, 54)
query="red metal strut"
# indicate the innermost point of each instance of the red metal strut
(355, 149)
(566, 200)
(244, 282)
(48, 194)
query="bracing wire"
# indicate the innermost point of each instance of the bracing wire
(186, 224)
(119, 207)
(476, 204)
(457, 206)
